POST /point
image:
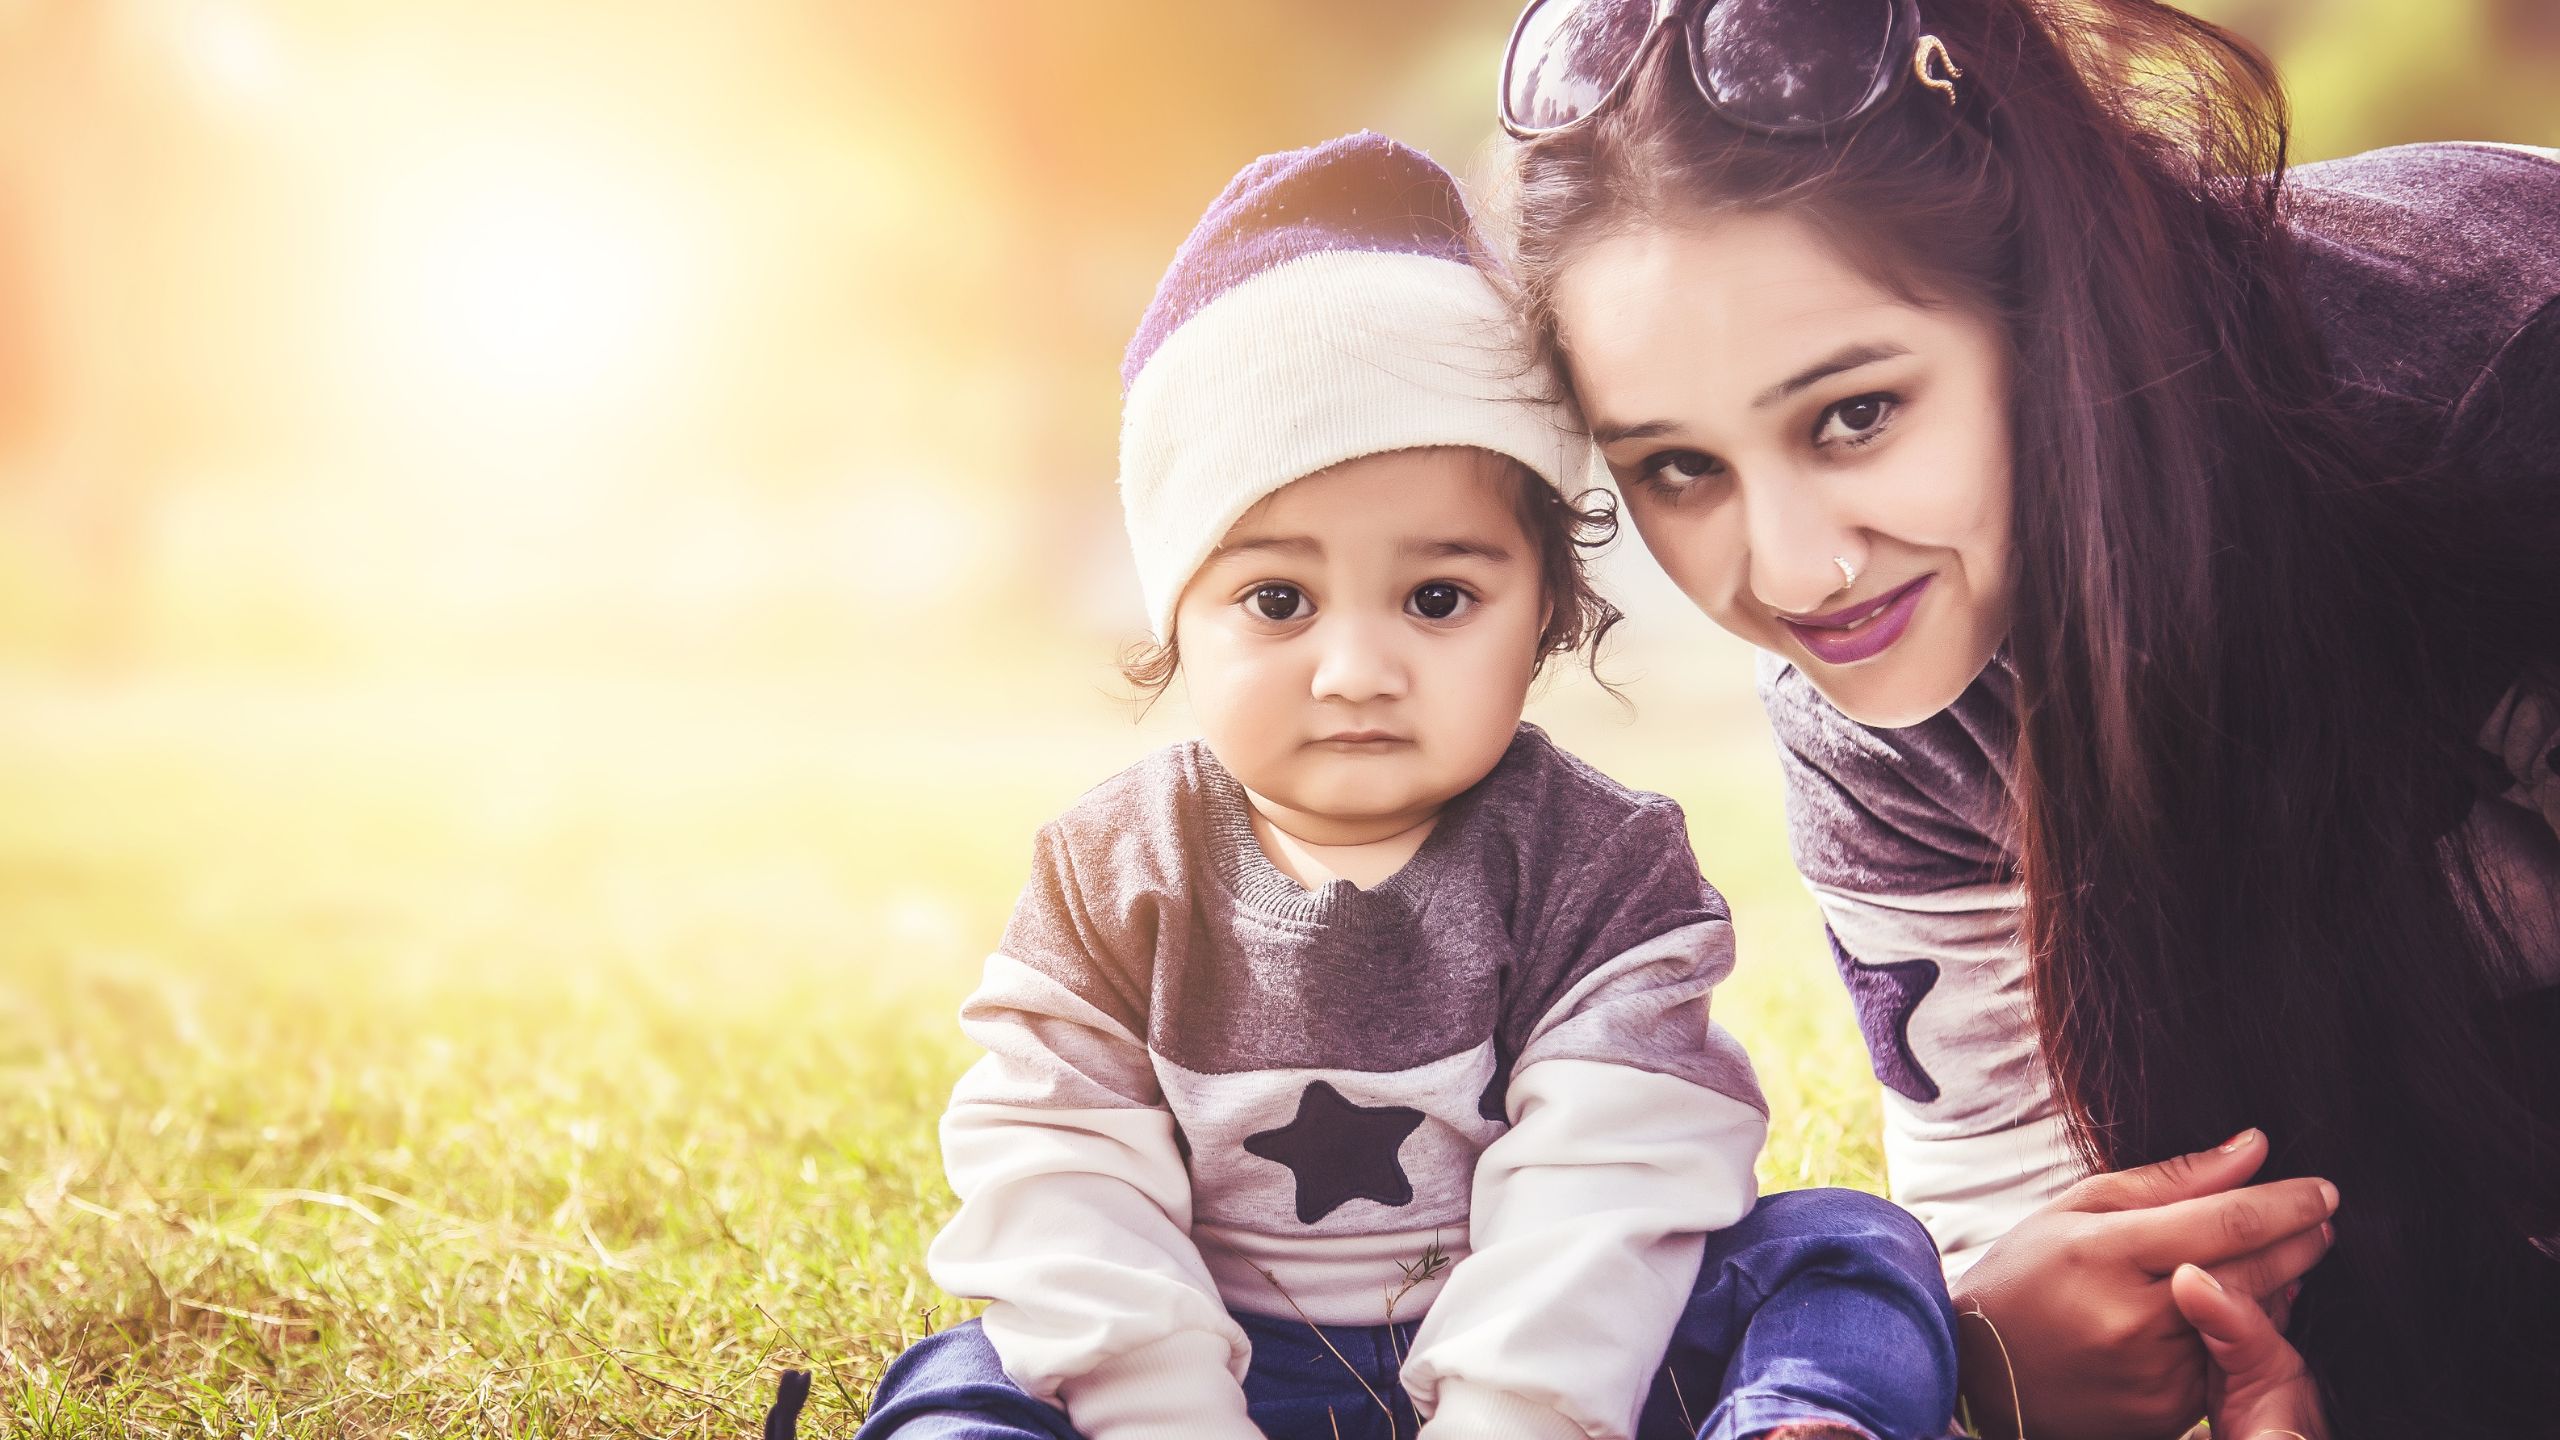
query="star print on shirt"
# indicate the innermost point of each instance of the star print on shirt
(1885, 996)
(1340, 1152)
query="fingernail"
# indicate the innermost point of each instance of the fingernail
(2293, 1292)
(2329, 1195)
(2207, 1275)
(2238, 1141)
(2328, 1233)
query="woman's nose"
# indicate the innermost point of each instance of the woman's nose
(1798, 546)
(1357, 659)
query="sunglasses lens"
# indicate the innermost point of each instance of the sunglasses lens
(1791, 64)
(1567, 56)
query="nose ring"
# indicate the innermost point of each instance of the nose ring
(1848, 576)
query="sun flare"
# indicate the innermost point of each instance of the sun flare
(528, 281)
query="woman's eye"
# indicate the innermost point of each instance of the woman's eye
(1672, 471)
(1279, 602)
(1438, 600)
(1856, 420)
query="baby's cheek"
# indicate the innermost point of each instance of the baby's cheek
(1490, 702)
(1239, 719)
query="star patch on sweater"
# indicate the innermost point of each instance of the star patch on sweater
(1340, 1152)
(1885, 996)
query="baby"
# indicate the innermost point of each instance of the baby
(1348, 1069)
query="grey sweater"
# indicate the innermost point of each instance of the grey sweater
(1486, 1088)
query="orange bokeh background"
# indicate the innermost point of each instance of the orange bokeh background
(673, 338)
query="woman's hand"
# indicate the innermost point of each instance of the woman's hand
(2256, 1387)
(2066, 1325)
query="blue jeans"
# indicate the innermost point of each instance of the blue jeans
(1821, 1305)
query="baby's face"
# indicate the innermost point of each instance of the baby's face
(1358, 650)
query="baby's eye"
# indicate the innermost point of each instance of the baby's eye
(1277, 602)
(1669, 472)
(1856, 420)
(1438, 600)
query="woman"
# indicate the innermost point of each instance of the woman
(2157, 558)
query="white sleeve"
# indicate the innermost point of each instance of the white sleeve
(1973, 1136)
(1075, 1221)
(1588, 1216)
(1588, 1220)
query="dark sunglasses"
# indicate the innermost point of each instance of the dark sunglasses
(1777, 67)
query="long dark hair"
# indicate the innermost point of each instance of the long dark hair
(2255, 630)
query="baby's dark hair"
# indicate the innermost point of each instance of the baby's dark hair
(1566, 532)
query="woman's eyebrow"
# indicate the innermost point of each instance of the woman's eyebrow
(1606, 433)
(1847, 358)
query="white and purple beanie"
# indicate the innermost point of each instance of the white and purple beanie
(1326, 307)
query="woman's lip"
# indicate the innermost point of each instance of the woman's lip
(1832, 619)
(1834, 644)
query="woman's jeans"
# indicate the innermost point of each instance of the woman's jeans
(1822, 1305)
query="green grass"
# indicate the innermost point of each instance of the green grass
(565, 1063)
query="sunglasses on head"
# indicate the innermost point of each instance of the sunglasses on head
(1776, 67)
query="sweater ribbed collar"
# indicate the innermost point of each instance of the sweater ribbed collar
(1266, 890)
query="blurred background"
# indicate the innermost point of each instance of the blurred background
(552, 554)
(675, 340)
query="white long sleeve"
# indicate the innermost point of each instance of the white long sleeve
(1588, 1221)
(1973, 1136)
(1074, 1220)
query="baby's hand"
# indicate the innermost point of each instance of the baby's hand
(2258, 1385)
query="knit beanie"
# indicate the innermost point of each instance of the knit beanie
(1327, 307)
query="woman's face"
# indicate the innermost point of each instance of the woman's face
(1779, 423)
